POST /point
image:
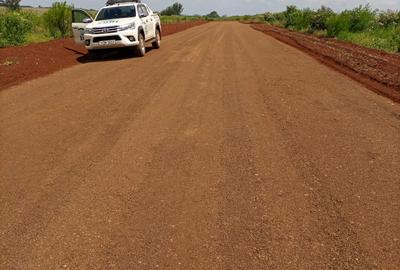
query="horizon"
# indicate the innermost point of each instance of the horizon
(232, 8)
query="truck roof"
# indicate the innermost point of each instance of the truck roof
(117, 2)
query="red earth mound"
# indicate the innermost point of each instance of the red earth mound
(377, 70)
(20, 64)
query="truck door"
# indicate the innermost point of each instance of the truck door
(80, 19)
(152, 22)
(144, 16)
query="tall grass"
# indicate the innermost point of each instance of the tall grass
(380, 38)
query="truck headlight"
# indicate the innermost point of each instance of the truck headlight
(126, 27)
(88, 31)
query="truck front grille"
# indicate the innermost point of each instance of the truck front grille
(105, 30)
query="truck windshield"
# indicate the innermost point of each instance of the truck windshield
(116, 13)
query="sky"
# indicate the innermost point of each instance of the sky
(236, 7)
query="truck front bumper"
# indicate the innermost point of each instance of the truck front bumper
(111, 40)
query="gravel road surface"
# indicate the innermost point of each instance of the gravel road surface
(226, 149)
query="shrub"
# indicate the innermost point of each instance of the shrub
(397, 37)
(269, 17)
(297, 19)
(39, 31)
(58, 19)
(290, 14)
(319, 20)
(302, 19)
(389, 18)
(275, 18)
(337, 24)
(361, 18)
(13, 29)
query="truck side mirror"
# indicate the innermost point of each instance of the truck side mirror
(87, 20)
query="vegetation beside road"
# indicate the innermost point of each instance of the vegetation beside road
(24, 25)
(361, 25)
(30, 25)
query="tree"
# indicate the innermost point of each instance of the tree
(175, 9)
(213, 15)
(12, 4)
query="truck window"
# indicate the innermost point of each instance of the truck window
(79, 15)
(143, 11)
(116, 13)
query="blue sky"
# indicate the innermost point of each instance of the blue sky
(236, 7)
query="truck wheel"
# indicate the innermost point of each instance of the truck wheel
(140, 49)
(157, 43)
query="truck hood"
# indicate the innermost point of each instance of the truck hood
(114, 22)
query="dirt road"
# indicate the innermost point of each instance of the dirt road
(226, 149)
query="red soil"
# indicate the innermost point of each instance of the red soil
(377, 70)
(20, 64)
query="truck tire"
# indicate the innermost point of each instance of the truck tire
(157, 42)
(140, 50)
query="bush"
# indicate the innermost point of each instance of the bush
(269, 17)
(389, 18)
(302, 19)
(294, 18)
(13, 29)
(319, 20)
(275, 18)
(356, 20)
(361, 18)
(337, 24)
(39, 31)
(290, 14)
(58, 19)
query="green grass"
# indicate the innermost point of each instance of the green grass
(387, 39)
(37, 37)
(178, 19)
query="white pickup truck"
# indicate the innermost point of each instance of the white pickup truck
(122, 23)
